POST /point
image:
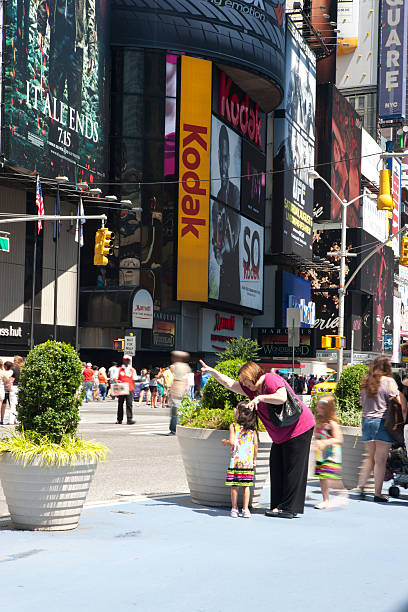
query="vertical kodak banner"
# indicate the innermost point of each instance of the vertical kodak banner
(194, 173)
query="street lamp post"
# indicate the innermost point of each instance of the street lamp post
(343, 254)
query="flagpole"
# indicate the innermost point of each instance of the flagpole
(56, 265)
(33, 288)
(79, 226)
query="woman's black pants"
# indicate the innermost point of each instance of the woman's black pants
(288, 466)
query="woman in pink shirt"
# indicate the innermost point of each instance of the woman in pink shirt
(290, 449)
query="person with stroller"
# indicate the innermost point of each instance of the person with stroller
(377, 388)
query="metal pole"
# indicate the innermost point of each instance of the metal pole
(293, 348)
(352, 347)
(342, 291)
(33, 289)
(56, 268)
(51, 218)
(78, 289)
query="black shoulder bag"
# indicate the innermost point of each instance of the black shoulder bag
(286, 414)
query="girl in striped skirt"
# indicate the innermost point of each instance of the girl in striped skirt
(328, 439)
(243, 441)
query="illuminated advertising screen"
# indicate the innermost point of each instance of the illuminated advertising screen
(236, 258)
(54, 94)
(253, 183)
(294, 152)
(225, 164)
(273, 343)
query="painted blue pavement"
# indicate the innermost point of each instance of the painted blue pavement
(168, 555)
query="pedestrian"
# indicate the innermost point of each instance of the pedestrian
(291, 443)
(243, 440)
(190, 381)
(95, 384)
(327, 442)
(127, 374)
(197, 384)
(10, 378)
(168, 381)
(88, 375)
(160, 387)
(311, 383)
(153, 386)
(144, 386)
(377, 388)
(180, 369)
(112, 375)
(103, 382)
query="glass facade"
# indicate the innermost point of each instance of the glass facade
(143, 175)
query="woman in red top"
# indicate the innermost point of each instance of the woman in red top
(290, 449)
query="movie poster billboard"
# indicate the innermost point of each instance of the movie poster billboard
(253, 183)
(346, 158)
(294, 151)
(236, 258)
(54, 96)
(225, 164)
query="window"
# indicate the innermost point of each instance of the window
(365, 105)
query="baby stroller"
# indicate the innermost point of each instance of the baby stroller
(397, 469)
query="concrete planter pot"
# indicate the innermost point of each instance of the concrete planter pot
(206, 461)
(48, 498)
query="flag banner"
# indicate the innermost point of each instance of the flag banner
(39, 200)
(79, 230)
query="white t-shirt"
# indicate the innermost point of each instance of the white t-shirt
(190, 379)
(113, 372)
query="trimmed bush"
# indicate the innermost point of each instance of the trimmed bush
(348, 394)
(240, 348)
(49, 396)
(215, 396)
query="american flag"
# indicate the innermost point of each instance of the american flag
(39, 200)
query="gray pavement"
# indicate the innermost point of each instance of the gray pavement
(143, 459)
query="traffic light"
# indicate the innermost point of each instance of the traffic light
(384, 200)
(404, 251)
(339, 342)
(103, 246)
(119, 345)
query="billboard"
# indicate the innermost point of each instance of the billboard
(225, 164)
(273, 343)
(54, 86)
(194, 172)
(253, 183)
(236, 258)
(393, 59)
(247, 33)
(294, 151)
(396, 198)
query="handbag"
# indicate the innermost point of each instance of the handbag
(393, 421)
(286, 414)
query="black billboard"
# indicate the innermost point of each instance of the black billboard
(247, 33)
(253, 183)
(294, 152)
(54, 86)
(273, 343)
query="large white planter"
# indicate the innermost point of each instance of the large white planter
(45, 497)
(206, 461)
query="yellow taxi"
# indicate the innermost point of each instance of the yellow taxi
(327, 386)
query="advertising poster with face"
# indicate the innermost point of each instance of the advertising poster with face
(236, 258)
(253, 183)
(225, 164)
(55, 74)
(294, 151)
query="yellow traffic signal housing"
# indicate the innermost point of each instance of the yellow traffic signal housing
(339, 342)
(384, 200)
(103, 246)
(119, 345)
(404, 251)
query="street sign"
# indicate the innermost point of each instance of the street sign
(5, 244)
(293, 325)
(130, 345)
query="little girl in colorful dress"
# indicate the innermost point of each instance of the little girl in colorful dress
(243, 441)
(328, 439)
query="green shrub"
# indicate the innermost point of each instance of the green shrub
(215, 396)
(348, 394)
(240, 348)
(49, 396)
(346, 416)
